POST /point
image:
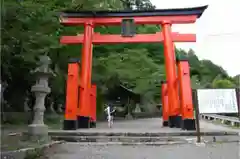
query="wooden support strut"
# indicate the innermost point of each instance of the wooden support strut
(138, 38)
(93, 105)
(188, 121)
(70, 122)
(165, 105)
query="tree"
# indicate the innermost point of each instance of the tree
(137, 4)
(24, 37)
(223, 84)
(134, 68)
(236, 80)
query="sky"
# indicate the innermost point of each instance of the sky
(217, 30)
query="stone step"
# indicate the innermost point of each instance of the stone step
(118, 139)
(127, 139)
(140, 134)
(158, 143)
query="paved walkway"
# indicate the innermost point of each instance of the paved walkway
(184, 151)
(187, 151)
(151, 125)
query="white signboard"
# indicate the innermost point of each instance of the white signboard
(217, 101)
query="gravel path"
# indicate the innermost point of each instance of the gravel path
(186, 151)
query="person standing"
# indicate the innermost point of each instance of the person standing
(109, 110)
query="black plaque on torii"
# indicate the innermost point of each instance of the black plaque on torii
(128, 28)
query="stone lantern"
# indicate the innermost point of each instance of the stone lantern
(40, 90)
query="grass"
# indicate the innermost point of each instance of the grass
(12, 138)
(55, 121)
(11, 143)
(35, 154)
(226, 124)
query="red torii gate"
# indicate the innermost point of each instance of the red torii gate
(163, 17)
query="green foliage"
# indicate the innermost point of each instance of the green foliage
(236, 80)
(138, 4)
(223, 84)
(100, 105)
(205, 74)
(134, 69)
(97, 5)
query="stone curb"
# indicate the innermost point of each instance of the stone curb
(147, 139)
(117, 139)
(21, 153)
(128, 143)
(152, 134)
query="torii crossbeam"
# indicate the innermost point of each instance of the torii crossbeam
(117, 39)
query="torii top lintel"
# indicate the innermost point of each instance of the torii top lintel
(158, 16)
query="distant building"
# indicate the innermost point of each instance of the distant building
(120, 95)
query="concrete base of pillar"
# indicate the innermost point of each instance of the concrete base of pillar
(83, 122)
(175, 121)
(188, 124)
(92, 124)
(38, 131)
(69, 124)
(165, 123)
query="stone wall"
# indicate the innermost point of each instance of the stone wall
(16, 117)
(135, 116)
(23, 117)
(26, 118)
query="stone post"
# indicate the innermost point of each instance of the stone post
(50, 108)
(40, 89)
(2, 101)
(4, 85)
(59, 108)
(137, 109)
(26, 107)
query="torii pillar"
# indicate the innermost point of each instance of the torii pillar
(165, 105)
(84, 112)
(170, 65)
(70, 122)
